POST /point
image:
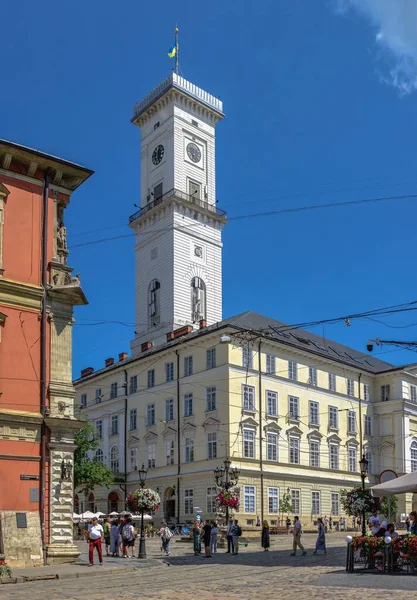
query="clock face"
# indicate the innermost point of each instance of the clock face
(194, 152)
(158, 154)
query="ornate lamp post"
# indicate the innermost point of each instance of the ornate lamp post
(363, 464)
(142, 544)
(226, 477)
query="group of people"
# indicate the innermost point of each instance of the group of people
(118, 537)
(206, 534)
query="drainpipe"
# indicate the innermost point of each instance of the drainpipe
(43, 358)
(178, 437)
(261, 465)
(124, 488)
(360, 418)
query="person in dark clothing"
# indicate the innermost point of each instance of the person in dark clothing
(265, 539)
(207, 538)
(382, 529)
(413, 522)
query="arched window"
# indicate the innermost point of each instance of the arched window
(99, 455)
(91, 502)
(198, 299)
(413, 456)
(114, 459)
(113, 502)
(154, 302)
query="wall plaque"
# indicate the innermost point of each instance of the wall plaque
(21, 522)
(29, 477)
(33, 494)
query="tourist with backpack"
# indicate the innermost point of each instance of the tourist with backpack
(128, 538)
(166, 535)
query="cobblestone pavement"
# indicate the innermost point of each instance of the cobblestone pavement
(253, 574)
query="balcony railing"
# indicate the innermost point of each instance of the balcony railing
(191, 200)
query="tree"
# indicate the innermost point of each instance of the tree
(89, 472)
(389, 506)
(285, 505)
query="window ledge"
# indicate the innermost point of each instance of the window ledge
(293, 420)
(352, 433)
(314, 425)
(249, 411)
(275, 417)
(331, 428)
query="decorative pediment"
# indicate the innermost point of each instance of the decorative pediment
(3, 318)
(188, 428)
(334, 439)
(294, 430)
(386, 444)
(272, 427)
(352, 442)
(150, 436)
(4, 192)
(314, 435)
(169, 431)
(210, 422)
(249, 422)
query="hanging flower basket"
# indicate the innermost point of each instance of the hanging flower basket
(358, 501)
(147, 500)
(230, 499)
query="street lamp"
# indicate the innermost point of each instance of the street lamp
(363, 464)
(142, 545)
(226, 477)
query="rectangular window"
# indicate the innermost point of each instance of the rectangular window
(314, 453)
(368, 456)
(314, 413)
(98, 396)
(169, 371)
(188, 366)
(294, 447)
(133, 384)
(114, 425)
(99, 429)
(273, 501)
(413, 457)
(292, 370)
(272, 446)
(151, 456)
(113, 390)
(169, 452)
(352, 459)
(295, 501)
(366, 391)
(335, 510)
(247, 357)
(351, 421)
(249, 497)
(83, 400)
(169, 410)
(385, 393)
(334, 457)
(211, 502)
(158, 191)
(368, 424)
(188, 502)
(333, 417)
(315, 503)
(293, 404)
(189, 450)
(133, 419)
(248, 443)
(332, 382)
(194, 190)
(413, 394)
(150, 414)
(212, 445)
(211, 358)
(271, 403)
(350, 387)
(248, 398)
(211, 399)
(188, 405)
(133, 459)
(270, 364)
(151, 378)
(312, 376)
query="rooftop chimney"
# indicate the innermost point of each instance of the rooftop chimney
(122, 356)
(87, 371)
(109, 362)
(146, 346)
(203, 323)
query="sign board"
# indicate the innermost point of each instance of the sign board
(29, 477)
(33, 494)
(21, 522)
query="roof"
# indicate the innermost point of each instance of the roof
(261, 324)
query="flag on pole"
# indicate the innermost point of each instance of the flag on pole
(173, 50)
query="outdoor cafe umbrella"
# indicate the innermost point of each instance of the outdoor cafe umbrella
(114, 514)
(87, 515)
(400, 485)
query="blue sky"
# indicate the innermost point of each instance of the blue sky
(320, 107)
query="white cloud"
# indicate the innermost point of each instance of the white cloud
(395, 24)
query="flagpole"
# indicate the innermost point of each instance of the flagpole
(177, 50)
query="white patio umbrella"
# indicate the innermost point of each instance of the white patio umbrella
(401, 485)
(75, 517)
(114, 514)
(87, 515)
(99, 514)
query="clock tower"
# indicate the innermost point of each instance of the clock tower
(178, 225)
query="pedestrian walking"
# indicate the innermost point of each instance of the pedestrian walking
(229, 536)
(207, 538)
(106, 529)
(236, 533)
(213, 537)
(128, 539)
(166, 535)
(325, 523)
(95, 538)
(258, 521)
(265, 537)
(288, 525)
(197, 537)
(331, 524)
(297, 538)
(114, 538)
(321, 537)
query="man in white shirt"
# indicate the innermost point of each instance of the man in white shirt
(374, 522)
(297, 537)
(95, 537)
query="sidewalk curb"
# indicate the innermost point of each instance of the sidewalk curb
(76, 575)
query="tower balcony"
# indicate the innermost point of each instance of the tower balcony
(183, 198)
